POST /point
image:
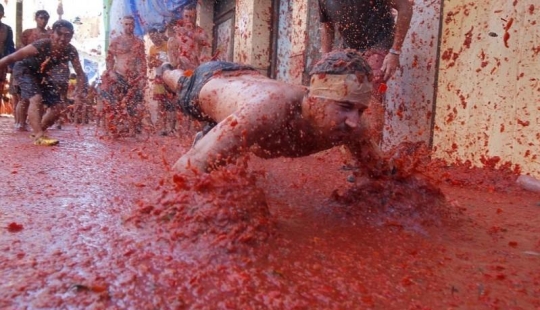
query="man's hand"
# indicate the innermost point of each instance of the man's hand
(390, 65)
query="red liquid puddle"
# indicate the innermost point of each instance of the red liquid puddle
(106, 226)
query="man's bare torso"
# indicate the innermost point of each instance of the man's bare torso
(271, 109)
(128, 57)
(29, 36)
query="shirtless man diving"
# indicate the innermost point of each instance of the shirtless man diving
(270, 118)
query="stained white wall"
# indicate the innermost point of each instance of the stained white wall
(488, 102)
(410, 94)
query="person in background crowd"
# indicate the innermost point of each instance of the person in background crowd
(28, 36)
(35, 71)
(124, 81)
(6, 47)
(191, 46)
(369, 27)
(183, 52)
(156, 57)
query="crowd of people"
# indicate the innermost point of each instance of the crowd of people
(181, 43)
(239, 108)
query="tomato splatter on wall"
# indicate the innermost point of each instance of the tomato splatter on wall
(506, 35)
(468, 38)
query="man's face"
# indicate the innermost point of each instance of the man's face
(62, 36)
(335, 119)
(190, 16)
(42, 21)
(129, 26)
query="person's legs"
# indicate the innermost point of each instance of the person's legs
(135, 111)
(38, 123)
(35, 111)
(170, 76)
(376, 112)
(171, 121)
(161, 115)
(50, 117)
(28, 86)
(99, 110)
(14, 92)
(48, 102)
(14, 103)
(21, 111)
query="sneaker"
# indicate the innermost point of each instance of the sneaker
(46, 141)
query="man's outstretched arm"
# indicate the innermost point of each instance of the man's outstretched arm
(230, 138)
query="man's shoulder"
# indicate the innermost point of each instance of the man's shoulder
(72, 49)
(172, 40)
(138, 40)
(5, 26)
(114, 40)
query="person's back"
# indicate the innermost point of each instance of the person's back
(362, 24)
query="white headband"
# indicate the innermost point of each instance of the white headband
(340, 87)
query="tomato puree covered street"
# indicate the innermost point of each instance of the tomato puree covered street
(103, 223)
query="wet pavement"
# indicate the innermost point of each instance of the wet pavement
(90, 224)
